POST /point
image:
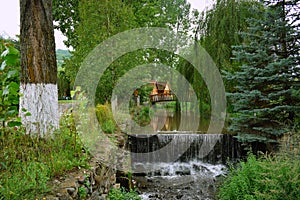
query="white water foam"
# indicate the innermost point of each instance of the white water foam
(175, 169)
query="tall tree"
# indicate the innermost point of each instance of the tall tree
(96, 21)
(38, 67)
(265, 101)
(221, 26)
(66, 16)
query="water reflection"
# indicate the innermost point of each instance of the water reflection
(170, 120)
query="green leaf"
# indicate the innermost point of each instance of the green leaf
(3, 65)
(28, 114)
(12, 60)
(5, 91)
(5, 53)
(14, 86)
(11, 113)
(12, 73)
(12, 50)
(24, 109)
(14, 123)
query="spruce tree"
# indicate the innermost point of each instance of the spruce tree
(266, 97)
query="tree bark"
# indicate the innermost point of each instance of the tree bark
(38, 67)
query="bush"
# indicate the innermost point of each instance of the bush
(108, 126)
(9, 85)
(269, 177)
(105, 118)
(141, 115)
(121, 194)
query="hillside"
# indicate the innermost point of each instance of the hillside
(60, 55)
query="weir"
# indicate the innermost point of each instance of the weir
(183, 147)
(181, 165)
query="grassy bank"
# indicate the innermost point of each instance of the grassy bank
(27, 163)
(266, 177)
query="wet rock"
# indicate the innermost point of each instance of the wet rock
(117, 186)
(63, 196)
(81, 179)
(106, 190)
(56, 182)
(187, 187)
(140, 174)
(95, 195)
(58, 194)
(103, 197)
(71, 191)
(183, 172)
(153, 195)
(149, 180)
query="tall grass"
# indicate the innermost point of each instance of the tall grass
(27, 163)
(268, 177)
(105, 118)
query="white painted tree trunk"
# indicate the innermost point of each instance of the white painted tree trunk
(41, 101)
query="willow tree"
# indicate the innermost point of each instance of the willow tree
(221, 27)
(38, 67)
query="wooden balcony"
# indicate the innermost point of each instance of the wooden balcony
(162, 97)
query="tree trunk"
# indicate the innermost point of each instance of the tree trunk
(39, 69)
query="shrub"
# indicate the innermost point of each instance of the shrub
(121, 194)
(9, 85)
(105, 118)
(269, 177)
(141, 115)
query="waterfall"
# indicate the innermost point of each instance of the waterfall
(168, 148)
(180, 165)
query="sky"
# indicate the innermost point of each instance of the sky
(10, 19)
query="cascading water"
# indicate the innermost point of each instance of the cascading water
(180, 165)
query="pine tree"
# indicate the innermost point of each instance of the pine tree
(266, 99)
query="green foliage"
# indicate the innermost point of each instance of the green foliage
(199, 86)
(222, 25)
(105, 118)
(28, 162)
(109, 126)
(141, 115)
(269, 177)
(82, 192)
(61, 55)
(219, 30)
(263, 99)
(67, 15)
(63, 81)
(121, 194)
(10, 85)
(96, 21)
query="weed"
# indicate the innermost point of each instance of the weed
(121, 194)
(82, 192)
